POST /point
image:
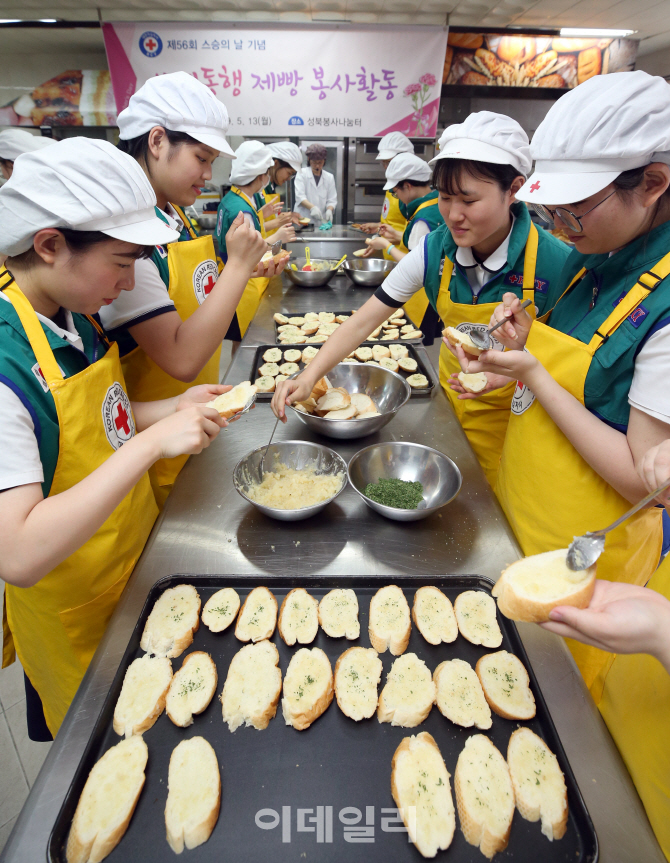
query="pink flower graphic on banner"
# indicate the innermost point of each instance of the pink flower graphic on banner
(411, 89)
(428, 79)
(419, 93)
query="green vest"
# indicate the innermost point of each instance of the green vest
(551, 257)
(20, 373)
(260, 198)
(430, 215)
(607, 281)
(230, 206)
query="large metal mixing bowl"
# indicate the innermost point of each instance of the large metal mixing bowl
(368, 272)
(440, 477)
(309, 278)
(388, 390)
(296, 454)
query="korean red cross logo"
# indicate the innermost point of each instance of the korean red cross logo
(204, 279)
(117, 416)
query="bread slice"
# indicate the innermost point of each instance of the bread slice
(311, 316)
(280, 378)
(297, 320)
(379, 352)
(142, 698)
(327, 317)
(506, 685)
(389, 625)
(194, 794)
(476, 383)
(253, 685)
(539, 784)
(363, 354)
(418, 381)
(362, 403)
(173, 621)
(409, 692)
(107, 802)
(308, 687)
(298, 617)
(411, 334)
(272, 355)
(359, 252)
(484, 795)
(399, 313)
(310, 327)
(388, 363)
(280, 319)
(457, 338)
(434, 616)
(289, 369)
(340, 319)
(348, 413)
(420, 788)
(266, 384)
(398, 352)
(292, 356)
(338, 614)
(305, 407)
(333, 400)
(308, 354)
(234, 400)
(407, 364)
(476, 617)
(357, 675)
(531, 587)
(270, 370)
(460, 696)
(221, 609)
(258, 616)
(192, 688)
(366, 415)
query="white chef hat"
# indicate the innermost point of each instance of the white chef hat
(287, 152)
(180, 103)
(486, 137)
(406, 166)
(84, 184)
(14, 142)
(607, 125)
(392, 144)
(251, 159)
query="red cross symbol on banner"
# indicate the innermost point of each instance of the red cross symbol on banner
(121, 420)
(209, 284)
(150, 44)
(535, 186)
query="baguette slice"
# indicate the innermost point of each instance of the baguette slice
(418, 381)
(409, 693)
(298, 617)
(362, 403)
(308, 687)
(308, 354)
(280, 319)
(473, 383)
(484, 795)
(221, 609)
(506, 685)
(194, 794)
(142, 699)
(268, 370)
(253, 685)
(272, 355)
(234, 400)
(531, 587)
(366, 415)
(107, 802)
(338, 614)
(407, 364)
(457, 338)
(398, 352)
(460, 696)
(258, 616)
(363, 354)
(420, 788)
(192, 688)
(434, 616)
(333, 400)
(266, 384)
(173, 621)
(390, 625)
(388, 363)
(539, 784)
(379, 352)
(348, 413)
(476, 617)
(292, 356)
(357, 675)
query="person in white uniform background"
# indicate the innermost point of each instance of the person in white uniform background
(15, 142)
(315, 191)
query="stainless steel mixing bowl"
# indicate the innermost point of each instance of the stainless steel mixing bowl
(297, 454)
(440, 477)
(309, 278)
(388, 390)
(367, 272)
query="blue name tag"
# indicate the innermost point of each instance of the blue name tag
(516, 279)
(637, 316)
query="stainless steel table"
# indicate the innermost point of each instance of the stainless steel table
(207, 527)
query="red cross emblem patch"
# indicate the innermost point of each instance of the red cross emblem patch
(204, 279)
(117, 416)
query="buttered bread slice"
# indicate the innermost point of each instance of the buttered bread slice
(506, 685)
(298, 617)
(476, 617)
(194, 794)
(409, 693)
(253, 685)
(308, 687)
(390, 625)
(357, 675)
(338, 614)
(433, 614)
(192, 688)
(258, 616)
(173, 621)
(221, 609)
(420, 788)
(142, 699)
(459, 695)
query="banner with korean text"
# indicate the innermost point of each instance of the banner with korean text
(278, 80)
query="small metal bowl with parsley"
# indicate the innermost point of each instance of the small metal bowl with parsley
(404, 481)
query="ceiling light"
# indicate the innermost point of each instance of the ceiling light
(596, 32)
(28, 20)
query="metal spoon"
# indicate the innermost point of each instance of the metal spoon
(265, 452)
(585, 550)
(483, 340)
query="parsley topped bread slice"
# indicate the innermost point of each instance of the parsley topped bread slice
(420, 782)
(194, 794)
(433, 614)
(506, 685)
(142, 699)
(458, 339)
(253, 685)
(459, 695)
(338, 614)
(258, 616)
(390, 625)
(192, 688)
(409, 692)
(173, 621)
(308, 687)
(221, 609)
(298, 617)
(357, 675)
(476, 617)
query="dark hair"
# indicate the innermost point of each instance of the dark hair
(280, 163)
(626, 183)
(448, 174)
(138, 147)
(6, 163)
(78, 242)
(413, 183)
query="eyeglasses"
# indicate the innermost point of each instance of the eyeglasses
(568, 218)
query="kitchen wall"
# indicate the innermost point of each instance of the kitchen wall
(528, 112)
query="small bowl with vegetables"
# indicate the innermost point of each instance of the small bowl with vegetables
(404, 481)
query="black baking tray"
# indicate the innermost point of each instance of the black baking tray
(335, 763)
(417, 392)
(350, 312)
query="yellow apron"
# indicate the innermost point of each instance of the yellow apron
(547, 490)
(416, 308)
(193, 273)
(57, 624)
(484, 420)
(267, 199)
(392, 217)
(636, 707)
(253, 292)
